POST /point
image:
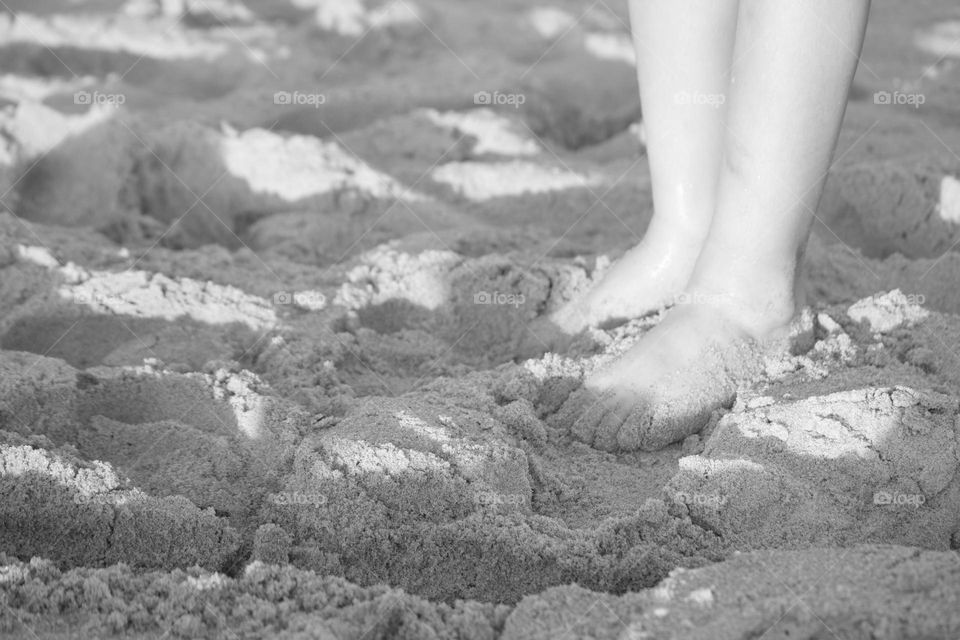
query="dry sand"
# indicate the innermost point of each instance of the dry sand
(261, 292)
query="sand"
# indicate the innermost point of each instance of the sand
(262, 286)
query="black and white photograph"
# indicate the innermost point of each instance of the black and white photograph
(466, 320)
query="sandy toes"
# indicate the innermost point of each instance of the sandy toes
(666, 387)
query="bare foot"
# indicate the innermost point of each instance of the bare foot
(667, 385)
(647, 278)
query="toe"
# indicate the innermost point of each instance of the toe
(665, 423)
(571, 409)
(617, 411)
(639, 429)
(591, 411)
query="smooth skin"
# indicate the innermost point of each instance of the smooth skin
(742, 103)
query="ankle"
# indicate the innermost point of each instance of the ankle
(677, 233)
(761, 304)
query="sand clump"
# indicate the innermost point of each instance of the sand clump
(851, 466)
(886, 588)
(887, 311)
(57, 507)
(756, 593)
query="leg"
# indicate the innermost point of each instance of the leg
(684, 50)
(787, 100)
(794, 63)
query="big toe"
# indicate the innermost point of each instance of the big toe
(651, 428)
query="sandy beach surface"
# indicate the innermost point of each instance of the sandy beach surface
(264, 272)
